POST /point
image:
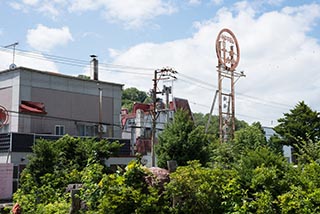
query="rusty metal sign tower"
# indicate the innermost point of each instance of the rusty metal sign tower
(228, 53)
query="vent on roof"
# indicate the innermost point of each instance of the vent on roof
(94, 68)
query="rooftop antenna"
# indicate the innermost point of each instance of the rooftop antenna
(13, 66)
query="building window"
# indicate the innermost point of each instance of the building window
(59, 130)
(147, 133)
(87, 130)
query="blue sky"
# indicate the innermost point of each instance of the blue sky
(279, 43)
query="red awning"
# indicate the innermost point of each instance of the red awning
(32, 107)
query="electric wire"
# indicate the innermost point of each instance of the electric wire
(121, 69)
(16, 114)
(80, 63)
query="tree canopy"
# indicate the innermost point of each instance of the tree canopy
(246, 175)
(182, 141)
(55, 164)
(213, 129)
(300, 124)
(131, 95)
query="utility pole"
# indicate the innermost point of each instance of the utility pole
(162, 74)
(100, 129)
(228, 53)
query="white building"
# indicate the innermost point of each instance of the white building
(137, 125)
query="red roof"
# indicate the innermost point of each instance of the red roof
(142, 106)
(179, 103)
(175, 104)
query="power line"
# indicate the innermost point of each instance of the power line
(47, 117)
(80, 63)
(109, 67)
(72, 61)
(212, 87)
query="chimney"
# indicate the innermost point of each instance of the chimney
(94, 68)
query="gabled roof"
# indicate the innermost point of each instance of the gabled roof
(182, 104)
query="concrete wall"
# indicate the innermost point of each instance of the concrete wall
(74, 106)
(64, 97)
(9, 93)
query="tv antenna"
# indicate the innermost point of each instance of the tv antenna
(13, 66)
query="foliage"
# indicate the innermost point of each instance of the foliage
(223, 154)
(195, 189)
(131, 95)
(124, 192)
(182, 141)
(250, 137)
(213, 129)
(301, 124)
(248, 175)
(247, 138)
(308, 152)
(81, 76)
(55, 164)
(304, 193)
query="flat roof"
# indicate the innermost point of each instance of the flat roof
(57, 75)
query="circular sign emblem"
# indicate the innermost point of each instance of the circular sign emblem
(4, 116)
(227, 49)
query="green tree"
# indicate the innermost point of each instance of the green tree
(304, 193)
(131, 95)
(125, 192)
(263, 175)
(250, 137)
(213, 129)
(196, 189)
(300, 124)
(309, 152)
(182, 141)
(55, 164)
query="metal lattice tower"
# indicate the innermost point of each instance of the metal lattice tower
(228, 53)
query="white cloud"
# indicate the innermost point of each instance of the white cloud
(50, 8)
(133, 13)
(91, 35)
(30, 2)
(114, 53)
(217, 2)
(17, 6)
(44, 38)
(278, 55)
(130, 13)
(194, 2)
(85, 5)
